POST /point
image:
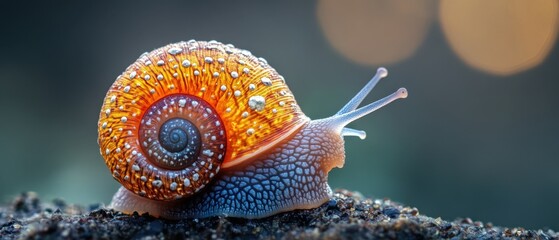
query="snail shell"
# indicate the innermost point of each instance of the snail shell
(235, 105)
(197, 129)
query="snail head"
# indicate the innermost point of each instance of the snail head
(335, 126)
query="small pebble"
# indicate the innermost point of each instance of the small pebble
(391, 212)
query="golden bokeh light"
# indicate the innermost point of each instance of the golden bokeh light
(376, 32)
(501, 37)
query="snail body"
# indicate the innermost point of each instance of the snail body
(199, 129)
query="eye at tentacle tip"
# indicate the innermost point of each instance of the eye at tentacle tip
(381, 72)
(402, 93)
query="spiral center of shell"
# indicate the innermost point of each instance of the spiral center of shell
(178, 135)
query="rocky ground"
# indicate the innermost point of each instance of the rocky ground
(346, 215)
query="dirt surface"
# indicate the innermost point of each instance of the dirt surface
(346, 215)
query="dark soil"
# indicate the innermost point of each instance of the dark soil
(346, 215)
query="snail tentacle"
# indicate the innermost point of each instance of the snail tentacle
(358, 98)
(350, 112)
(350, 132)
(346, 118)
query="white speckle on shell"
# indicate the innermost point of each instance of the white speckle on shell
(174, 50)
(186, 63)
(251, 87)
(234, 74)
(136, 168)
(237, 93)
(173, 186)
(186, 182)
(208, 153)
(266, 81)
(127, 89)
(157, 183)
(257, 103)
(250, 131)
(182, 102)
(223, 88)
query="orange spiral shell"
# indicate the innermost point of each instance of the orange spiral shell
(252, 100)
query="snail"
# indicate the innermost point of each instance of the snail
(198, 129)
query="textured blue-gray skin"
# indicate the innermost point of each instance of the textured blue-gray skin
(293, 175)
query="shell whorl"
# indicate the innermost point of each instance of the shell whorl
(182, 112)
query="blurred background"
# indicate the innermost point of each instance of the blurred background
(477, 137)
